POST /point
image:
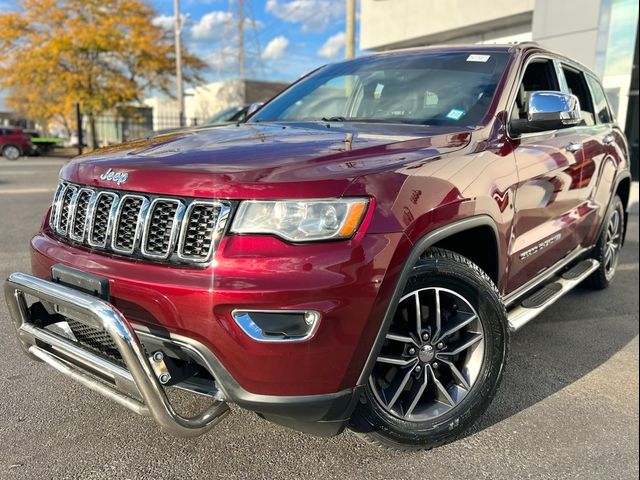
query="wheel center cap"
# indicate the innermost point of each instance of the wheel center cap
(426, 353)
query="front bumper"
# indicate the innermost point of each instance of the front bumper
(344, 281)
(137, 386)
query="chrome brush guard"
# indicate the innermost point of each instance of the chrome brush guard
(120, 384)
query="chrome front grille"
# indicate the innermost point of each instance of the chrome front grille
(176, 230)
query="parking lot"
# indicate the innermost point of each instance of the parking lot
(567, 407)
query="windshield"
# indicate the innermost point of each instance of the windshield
(452, 88)
(229, 115)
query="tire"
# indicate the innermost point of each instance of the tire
(609, 243)
(11, 152)
(463, 290)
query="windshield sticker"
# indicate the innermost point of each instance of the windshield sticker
(455, 114)
(474, 57)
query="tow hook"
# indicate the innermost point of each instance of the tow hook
(167, 372)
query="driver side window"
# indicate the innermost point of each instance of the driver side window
(539, 75)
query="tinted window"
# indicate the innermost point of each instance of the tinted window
(540, 75)
(601, 106)
(578, 87)
(454, 88)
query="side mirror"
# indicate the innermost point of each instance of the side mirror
(253, 108)
(548, 111)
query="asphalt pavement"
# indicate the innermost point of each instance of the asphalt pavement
(567, 407)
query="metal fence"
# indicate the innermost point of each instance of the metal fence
(135, 123)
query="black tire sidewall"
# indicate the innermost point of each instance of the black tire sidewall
(598, 280)
(444, 272)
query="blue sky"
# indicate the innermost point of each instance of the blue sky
(286, 39)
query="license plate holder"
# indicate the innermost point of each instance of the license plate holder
(83, 281)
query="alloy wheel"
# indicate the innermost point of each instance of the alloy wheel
(613, 243)
(11, 153)
(432, 355)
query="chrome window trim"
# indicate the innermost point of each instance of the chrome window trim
(175, 227)
(92, 194)
(142, 213)
(563, 88)
(218, 229)
(112, 212)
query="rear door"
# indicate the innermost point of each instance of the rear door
(605, 149)
(549, 201)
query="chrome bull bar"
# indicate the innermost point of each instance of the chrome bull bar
(138, 377)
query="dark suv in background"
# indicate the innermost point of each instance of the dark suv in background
(355, 254)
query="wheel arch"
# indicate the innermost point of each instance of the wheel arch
(438, 237)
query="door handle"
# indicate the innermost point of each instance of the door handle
(573, 147)
(608, 139)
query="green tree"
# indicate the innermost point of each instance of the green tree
(101, 54)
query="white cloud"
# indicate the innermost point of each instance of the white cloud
(166, 22)
(211, 25)
(333, 46)
(275, 48)
(314, 15)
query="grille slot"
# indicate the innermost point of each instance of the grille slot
(161, 227)
(78, 223)
(64, 212)
(198, 233)
(100, 219)
(127, 226)
(142, 226)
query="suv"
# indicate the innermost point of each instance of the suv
(356, 253)
(14, 143)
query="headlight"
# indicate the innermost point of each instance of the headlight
(301, 221)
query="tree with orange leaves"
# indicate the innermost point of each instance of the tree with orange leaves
(99, 53)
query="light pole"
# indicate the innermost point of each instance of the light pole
(178, 44)
(350, 50)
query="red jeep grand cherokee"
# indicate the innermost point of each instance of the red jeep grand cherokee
(355, 254)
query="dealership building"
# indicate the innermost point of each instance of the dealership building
(601, 34)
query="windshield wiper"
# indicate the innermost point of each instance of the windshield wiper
(333, 119)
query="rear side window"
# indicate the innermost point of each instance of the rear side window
(601, 107)
(578, 87)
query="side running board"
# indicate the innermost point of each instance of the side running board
(543, 298)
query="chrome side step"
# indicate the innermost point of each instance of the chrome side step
(543, 298)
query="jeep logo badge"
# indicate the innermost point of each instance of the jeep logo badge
(117, 177)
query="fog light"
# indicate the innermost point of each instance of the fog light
(310, 318)
(277, 325)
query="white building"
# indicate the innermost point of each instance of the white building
(202, 102)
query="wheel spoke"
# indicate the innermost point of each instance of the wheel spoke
(401, 338)
(396, 387)
(459, 325)
(418, 314)
(401, 362)
(459, 347)
(607, 257)
(438, 314)
(457, 374)
(417, 395)
(615, 221)
(442, 395)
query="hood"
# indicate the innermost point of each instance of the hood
(254, 160)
